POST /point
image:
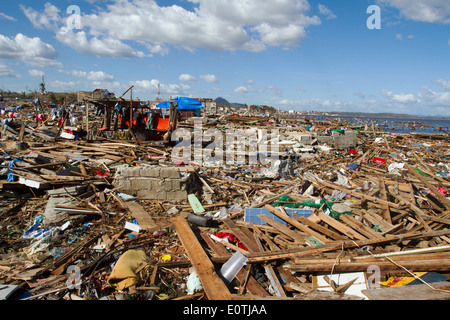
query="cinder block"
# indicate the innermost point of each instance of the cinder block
(150, 172)
(162, 195)
(121, 182)
(176, 184)
(141, 183)
(146, 195)
(167, 185)
(177, 195)
(170, 172)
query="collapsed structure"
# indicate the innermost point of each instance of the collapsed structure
(336, 212)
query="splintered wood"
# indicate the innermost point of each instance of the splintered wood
(338, 206)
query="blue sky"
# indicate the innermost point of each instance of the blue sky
(290, 54)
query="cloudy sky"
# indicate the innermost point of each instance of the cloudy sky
(291, 54)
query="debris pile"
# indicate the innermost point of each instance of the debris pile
(344, 214)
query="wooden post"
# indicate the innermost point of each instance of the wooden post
(87, 121)
(213, 285)
(131, 108)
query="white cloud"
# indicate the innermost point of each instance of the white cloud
(32, 51)
(210, 78)
(105, 46)
(276, 91)
(66, 86)
(99, 76)
(400, 98)
(6, 72)
(326, 12)
(399, 36)
(187, 78)
(219, 25)
(151, 86)
(422, 10)
(445, 85)
(280, 35)
(241, 90)
(49, 19)
(91, 76)
(36, 73)
(6, 17)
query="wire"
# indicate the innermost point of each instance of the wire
(96, 266)
(408, 271)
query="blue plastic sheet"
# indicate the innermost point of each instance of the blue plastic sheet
(182, 104)
(12, 177)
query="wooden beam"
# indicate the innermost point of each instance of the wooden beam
(386, 211)
(428, 184)
(295, 235)
(247, 241)
(143, 218)
(349, 232)
(271, 274)
(315, 225)
(438, 291)
(298, 252)
(296, 224)
(436, 265)
(213, 285)
(357, 194)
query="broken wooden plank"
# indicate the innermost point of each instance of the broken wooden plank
(271, 274)
(385, 208)
(358, 225)
(358, 266)
(349, 232)
(247, 241)
(438, 291)
(316, 226)
(430, 186)
(297, 252)
(357, 194)
(295, 235)
(296, 224)
(141, 215)
(213, 285)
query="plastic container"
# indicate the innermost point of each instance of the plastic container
(232, 267)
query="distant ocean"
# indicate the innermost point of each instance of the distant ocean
(397, 125)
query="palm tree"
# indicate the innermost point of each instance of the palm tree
(42, 85)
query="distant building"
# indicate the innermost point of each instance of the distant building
(210, 106)
(97, 94)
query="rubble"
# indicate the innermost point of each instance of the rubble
(345, 214)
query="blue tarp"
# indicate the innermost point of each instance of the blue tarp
(182, 104)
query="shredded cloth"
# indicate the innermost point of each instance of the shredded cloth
(231, 238)
(124, 273)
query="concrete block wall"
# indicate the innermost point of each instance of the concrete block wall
(151, 183)
(348, 139)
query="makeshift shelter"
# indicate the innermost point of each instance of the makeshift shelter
(187, 107)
